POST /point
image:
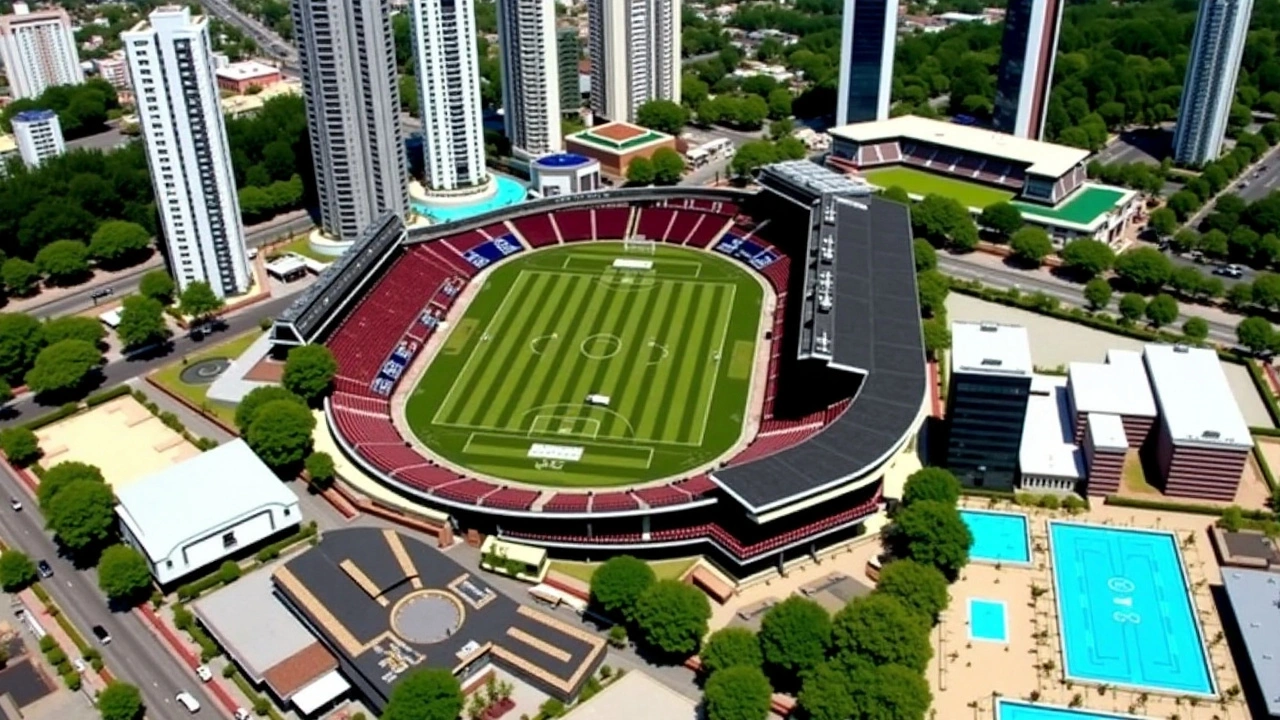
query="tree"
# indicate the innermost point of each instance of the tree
(1195, 328)
(120, 701)
(933, 533)
(892, 692)
(74, 327)
(257, 398)
(63, 367)
(663, 115)
(20, 276)
(751, 155)
(1163, 221)
(937, 336)
(6, 392)
(21, 337)
(1097, 292)
(64, 262)
(1146, 269)
(20, 445)
(141, 322)
(309, 371)
(1253, 332)
(668, 166)
(60, 476)
(1031, 244)
(1162, 310)
(828, 693)
(926, 256)
(16, 570)
(123, 575)
(117, 242)
(738, 693)
(1087, 258)
(320, 469)
(931, 483)
(157, 285)
(896, 194)
(1132, 306)
(730, 647)
(920, 588)
(794, 635)
(1001, 218)
(431, 694)
(672, 617)
(616, 586)
(640, 171)
(281, 433)
(779, 102)
(942, 220)
(198, 301)
(83, 515)
(881, 630)
(933, 288)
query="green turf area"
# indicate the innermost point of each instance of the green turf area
(921, 182)
(170, 376)
(663, 569)
(1082, 208)
(508, 393)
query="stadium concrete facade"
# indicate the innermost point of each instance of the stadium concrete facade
(818, 459)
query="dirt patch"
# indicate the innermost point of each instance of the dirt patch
(618, 132)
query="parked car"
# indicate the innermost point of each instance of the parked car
(45, 569)
(1231, 271)
(15, 503)
(186, 700)
(101, 633)
(204, 673)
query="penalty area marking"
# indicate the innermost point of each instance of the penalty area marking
(563, 425)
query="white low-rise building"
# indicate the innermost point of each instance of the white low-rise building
(195, 514)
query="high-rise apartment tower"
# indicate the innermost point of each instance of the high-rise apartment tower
(38, 50)
(1025, 75)
(635, 55)
(866, 60)
(530, 76)
(1210, 85)
(448, 74)
(39, 136)
(568, 48)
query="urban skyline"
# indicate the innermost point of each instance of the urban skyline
(634, 46)
(38, 50)
(1209, 86)
(1024, 78)
(867, 43)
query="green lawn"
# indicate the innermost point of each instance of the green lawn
(921, 182)
(507, 394)
(1082, 208)
(302, 246)
(664, 569)
(169, 376)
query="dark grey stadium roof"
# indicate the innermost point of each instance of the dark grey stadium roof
(876, 333)
(1255, 601)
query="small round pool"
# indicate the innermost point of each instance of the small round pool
(509, 192)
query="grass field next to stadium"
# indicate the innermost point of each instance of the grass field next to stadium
(572, 369)
(921, 182)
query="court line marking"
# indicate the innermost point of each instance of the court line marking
(715, 375)
(535, 429)
(588, 444)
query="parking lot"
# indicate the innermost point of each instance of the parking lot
(1144, 146)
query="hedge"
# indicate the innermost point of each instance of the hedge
(1265, 467)
(65, 411)
(1264, 389)
(987, 493)
(272, 551)
(217, 577)
(254, 698)
(1210, 510)
(72, 633)
(1265, 431)
(106, 395)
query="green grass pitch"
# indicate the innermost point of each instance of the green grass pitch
(921, 182)
(506, 395)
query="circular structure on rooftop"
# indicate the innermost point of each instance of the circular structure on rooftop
(204, 371)
(427, 616)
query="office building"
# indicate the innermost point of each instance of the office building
(530, 76)
(1210, 85)
(1025, 75)
(348, 67)
(991, 374)
(866, 60)
(568, 49)
(171, 63)
(39, 136)
(38, 50)
(634, 47)
(448, 74)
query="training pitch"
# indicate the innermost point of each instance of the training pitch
(568, 370)
(920, 182)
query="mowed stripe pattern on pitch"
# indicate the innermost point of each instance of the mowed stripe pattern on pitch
(559, 336)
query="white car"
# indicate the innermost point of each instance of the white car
(187, 701)
(242, 714)
(204, 673)
(15, 503)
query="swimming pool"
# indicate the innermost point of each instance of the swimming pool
(509, 192)
(1125, 610)
(998, 537)
(1018, 710)
(987, 621)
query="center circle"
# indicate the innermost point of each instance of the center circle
(601, 346)
(426, 617)
(205, 371)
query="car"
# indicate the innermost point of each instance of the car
(186, 700)
(1231, 271)
(253, 253)
(204, 673)
(15, 503)
(101, 633)
(101, 293)
(1244, 183)
(46, 570)
(242, 714)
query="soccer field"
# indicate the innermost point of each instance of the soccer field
(567, 370)
(920, 182)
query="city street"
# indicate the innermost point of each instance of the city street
(134, 654)
(271, 44)
(1264, 184)
(110, 140)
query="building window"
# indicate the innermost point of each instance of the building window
(168, 563)
(228, 541)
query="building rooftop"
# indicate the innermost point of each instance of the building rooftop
(636, 696)
(247, 70)
(1041, 158)
(1117, 386)
(1254, 596)
(1106, 431)
(208, 491)
(618, 137)
(563, 160)
(1196, 403)
(30, 116)
(990, 348)
(1048, 447)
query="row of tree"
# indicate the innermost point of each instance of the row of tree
(82, 109)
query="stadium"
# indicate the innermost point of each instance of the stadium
(666, 371)
(980, 167)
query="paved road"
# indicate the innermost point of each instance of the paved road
(134, 655)
(268, 41)
(1145, 146)
(1261, 182)
(111, 139)
(1067, 293)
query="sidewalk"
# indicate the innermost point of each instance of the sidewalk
(91, 681)
(188, 653)
(99, 277)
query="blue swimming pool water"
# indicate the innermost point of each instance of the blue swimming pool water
(509, 192)
(998, 537)
(987, 620)
(1015, 710)
(1125, 609)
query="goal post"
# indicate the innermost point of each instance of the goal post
(639, 245)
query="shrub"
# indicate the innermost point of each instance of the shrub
(56, 656)
(72, 679)
(229, 572)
